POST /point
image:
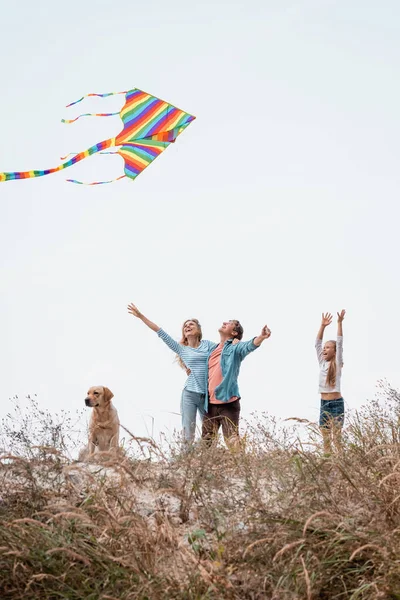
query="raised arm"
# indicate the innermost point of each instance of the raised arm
(264, 335)
(339, 340)
(167, 339)
(326, 320)
(244, 348)
(133, 310)
(340, 318)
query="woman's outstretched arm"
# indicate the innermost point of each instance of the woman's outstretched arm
(163, 335)
(133, 310)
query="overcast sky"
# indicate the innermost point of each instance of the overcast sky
(280, 201)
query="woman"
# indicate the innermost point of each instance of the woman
(192, 352)
(330, 359)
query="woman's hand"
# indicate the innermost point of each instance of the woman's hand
(326, 319)
(341, 316)
(133, 310)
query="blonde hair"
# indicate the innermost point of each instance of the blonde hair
(184, 341)
(332, 370)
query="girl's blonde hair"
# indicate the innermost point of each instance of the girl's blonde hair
(332, 370)
(184, 341)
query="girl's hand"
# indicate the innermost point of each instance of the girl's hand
(341, 315)
(235, 341)
(326, 319)
(133, 310)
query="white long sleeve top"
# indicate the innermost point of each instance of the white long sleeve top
(324, 388)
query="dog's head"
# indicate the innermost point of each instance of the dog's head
(98, 395)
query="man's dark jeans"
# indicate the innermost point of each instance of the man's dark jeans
(225, 415)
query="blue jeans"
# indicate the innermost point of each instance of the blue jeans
(191, 402)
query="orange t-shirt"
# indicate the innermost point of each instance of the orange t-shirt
(215, 376)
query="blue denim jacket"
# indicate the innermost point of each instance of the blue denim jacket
(231, 359)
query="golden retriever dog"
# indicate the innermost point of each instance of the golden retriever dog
(104, 423)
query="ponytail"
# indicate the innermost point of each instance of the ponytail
(331, 375)
(332, 370)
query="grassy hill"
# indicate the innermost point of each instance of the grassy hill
(276, 519)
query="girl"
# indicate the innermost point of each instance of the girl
(330, 359)
(192, 352)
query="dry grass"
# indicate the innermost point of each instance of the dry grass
(277, 520)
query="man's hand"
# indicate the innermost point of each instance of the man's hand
(341, 316)
(326, 319)
(133, 310)
(265, 332)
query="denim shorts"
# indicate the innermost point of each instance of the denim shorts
(331, 410)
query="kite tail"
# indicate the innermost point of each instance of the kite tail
(89, 115)
(80, 156)
(98, 95)
(96, 182)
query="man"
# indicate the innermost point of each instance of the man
(223, 398)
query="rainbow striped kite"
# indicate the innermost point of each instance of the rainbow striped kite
(150, 125)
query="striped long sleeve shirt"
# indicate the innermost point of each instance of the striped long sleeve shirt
(194, 358)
